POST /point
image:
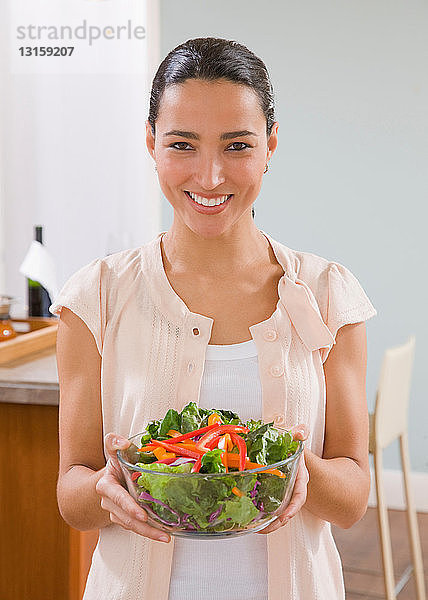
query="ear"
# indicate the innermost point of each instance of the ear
(272, 141)
(150, 140)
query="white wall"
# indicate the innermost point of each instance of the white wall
(349, 180)
(75, 159)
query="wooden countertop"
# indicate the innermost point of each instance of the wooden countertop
(31, 382)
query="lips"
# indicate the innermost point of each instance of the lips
(228, 197)
(208, 210)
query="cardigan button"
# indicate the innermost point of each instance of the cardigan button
(279, 420)
(190, 367)
(195, 331)
(276, 370)
(270, 335)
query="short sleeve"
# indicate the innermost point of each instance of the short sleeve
(344, 302)
(84, 294)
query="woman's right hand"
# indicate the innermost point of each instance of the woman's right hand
(116, 500)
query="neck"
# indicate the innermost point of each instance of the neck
(231, 253)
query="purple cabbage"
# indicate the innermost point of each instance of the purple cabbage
(181, 460)
(184, 520)
(147, 497)
(253, 492)
(213, 516)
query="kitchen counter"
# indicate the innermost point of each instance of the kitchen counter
(31, 382)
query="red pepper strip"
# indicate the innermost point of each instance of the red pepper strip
(202, 443)
(191, 434)
(242, 447)
(197, 465)
(165, 461)
(178, 449)
(219, 430)
(211, 444)
(135, 475)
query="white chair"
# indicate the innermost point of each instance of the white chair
(387, 423)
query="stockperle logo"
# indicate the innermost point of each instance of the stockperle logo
(88, 32)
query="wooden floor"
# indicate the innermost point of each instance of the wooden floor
(361, 556)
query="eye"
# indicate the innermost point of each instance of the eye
(242, 144)
(177, 143)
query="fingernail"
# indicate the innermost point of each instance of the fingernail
(164, 538)
(142, 516)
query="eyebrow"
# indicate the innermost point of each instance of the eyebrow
(224, 136)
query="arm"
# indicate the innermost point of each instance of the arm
(339, 482)
(82, 460)
(90, 492)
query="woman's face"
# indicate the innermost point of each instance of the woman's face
(210, 142)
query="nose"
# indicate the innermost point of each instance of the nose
(210, 172)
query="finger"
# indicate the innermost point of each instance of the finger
(131, 522)
(114, 442)
(298, 498)
(276, 524)
(300, 432)
(109, 489)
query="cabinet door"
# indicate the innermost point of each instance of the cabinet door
(34, 543)
(41, 557)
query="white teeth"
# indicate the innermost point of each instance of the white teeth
(208, 201)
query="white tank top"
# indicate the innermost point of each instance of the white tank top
(225, 569)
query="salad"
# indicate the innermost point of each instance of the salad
(217, 444)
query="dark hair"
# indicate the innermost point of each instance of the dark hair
(210, 59)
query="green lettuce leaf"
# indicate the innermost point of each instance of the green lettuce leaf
(271, 491)
(171, 420)
(240, 510)
(191, 418)
(211, 462)
(266, 445)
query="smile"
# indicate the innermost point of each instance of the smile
(208, 201)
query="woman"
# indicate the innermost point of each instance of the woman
(215, 311)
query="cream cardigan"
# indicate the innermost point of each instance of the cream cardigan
(153, 351)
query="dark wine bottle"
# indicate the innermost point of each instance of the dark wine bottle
(38, 297)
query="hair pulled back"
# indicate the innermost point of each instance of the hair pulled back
(210, 59)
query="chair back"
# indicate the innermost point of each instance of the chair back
(392, 399)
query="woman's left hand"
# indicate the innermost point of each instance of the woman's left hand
(300, 432)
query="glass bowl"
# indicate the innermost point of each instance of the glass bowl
(209, 505)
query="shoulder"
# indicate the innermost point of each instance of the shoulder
(104, 275)
(336, 289)
(311, 268)
(121, 265)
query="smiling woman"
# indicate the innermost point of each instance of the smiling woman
(232, 63)
(215, 312)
